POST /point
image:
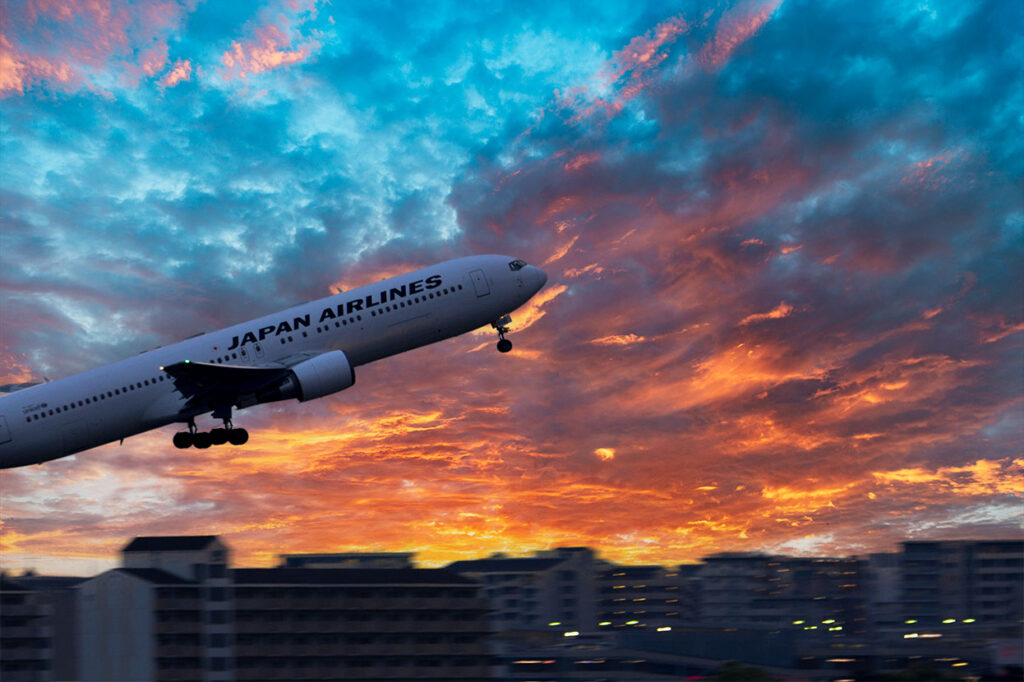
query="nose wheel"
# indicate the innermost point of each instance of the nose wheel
(504, 345)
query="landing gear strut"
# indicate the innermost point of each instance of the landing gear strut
(504, 345)
(218, 436)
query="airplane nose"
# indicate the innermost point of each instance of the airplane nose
(537, 277)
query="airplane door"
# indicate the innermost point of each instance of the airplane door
(479, 282)
(5, 432)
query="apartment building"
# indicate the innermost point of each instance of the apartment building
(177, 611)
(553, 589)
(643, 597)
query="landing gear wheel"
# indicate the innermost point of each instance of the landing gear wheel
(182, 440)
(218, 436)
(501, 325)
(238, 436)
(202, 440)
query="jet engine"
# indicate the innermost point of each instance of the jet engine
(319, 376)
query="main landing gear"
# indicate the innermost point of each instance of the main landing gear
(204, 439)
(504, 345)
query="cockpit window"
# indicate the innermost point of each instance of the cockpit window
(517, 264)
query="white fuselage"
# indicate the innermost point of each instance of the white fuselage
(134, 395)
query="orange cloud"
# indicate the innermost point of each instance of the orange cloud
(780, 311)
(619, 340)
(562, 250)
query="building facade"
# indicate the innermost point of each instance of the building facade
(177, 611)
(553, 589)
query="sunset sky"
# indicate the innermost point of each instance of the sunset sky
(784, 239)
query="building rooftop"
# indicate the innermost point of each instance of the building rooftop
(155, 575)
(525, 565)
(169, 543)
(632, 571)
(348, 576)
(49, 582)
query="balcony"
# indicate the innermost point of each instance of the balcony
(373, 672)
(178, 628)
(28, 654)
(179, 651)
(34, 631)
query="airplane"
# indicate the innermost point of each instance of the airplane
(303, 353)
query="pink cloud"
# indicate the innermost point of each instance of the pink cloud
(737, 25)
(56, 44)
(269, 50)
(182, 71)
(626, 74)
(19, 69)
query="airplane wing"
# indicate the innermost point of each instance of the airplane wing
(195, 378)
(211, 385)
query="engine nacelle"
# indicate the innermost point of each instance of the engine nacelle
(325, 374)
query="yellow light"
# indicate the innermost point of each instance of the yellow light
(968, 620)
(912, 620)
(912, 635)
(604, 623)
(960, 664)
(665, 629)
(829, 621)
(798, 622)
(632, 622)
(572, 633)
(554, 623)
(949, 620)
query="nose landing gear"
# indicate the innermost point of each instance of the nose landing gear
(501, 324)
(204, 439)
